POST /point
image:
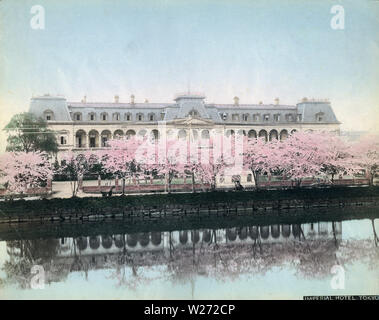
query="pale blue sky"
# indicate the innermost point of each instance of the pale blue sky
(257, 50)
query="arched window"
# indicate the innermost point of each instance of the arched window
(105, 137)
(154, 134)
(130, 133)
(205, 134)
(252, 134)
(273, 135)
(118, 134)
(283, 135)
(182, 134)
(263, 134)
(80, 139)
(93, 139)
(151, 117)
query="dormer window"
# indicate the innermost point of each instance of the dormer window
(320, 117)
(235, 117)
(151, 117)
(289, 117)
(276, 117)
(193, 113)
(77, 116)
(162, 115)
(245, 117)
(266, 117)
(92, 116)
(116, 116)
(104, 116)
(224, 116)
(128, 117)
(256, 117)
(140, 117)
(48, 115)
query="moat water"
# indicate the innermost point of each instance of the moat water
(244, 262)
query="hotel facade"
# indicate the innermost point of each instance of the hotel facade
(82, 126)
(88, 125)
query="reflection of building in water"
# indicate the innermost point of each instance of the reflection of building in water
(177, 250)
(165, 241)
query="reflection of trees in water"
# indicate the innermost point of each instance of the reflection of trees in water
(309, 256)
(23, 254)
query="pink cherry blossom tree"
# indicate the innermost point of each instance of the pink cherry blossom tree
(366, 156)
(20, 171)
(74, 166)
(169, 158)
(336, 155)
(261, 157)
(301, 155)
(120, 158)
(207, 162)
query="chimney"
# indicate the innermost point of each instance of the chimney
(84, 100)
(236, 101)
(276, 101)
(116, 99)
(132, 99)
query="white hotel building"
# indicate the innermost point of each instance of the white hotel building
(88, 125)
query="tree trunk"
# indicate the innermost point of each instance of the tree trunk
(371, 178)
(255, 175)
(123, 186)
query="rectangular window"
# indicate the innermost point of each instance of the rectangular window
(78, 117)
(92, 117)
